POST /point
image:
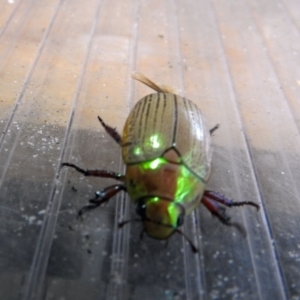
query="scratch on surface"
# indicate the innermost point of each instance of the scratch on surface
(9, 209)
(225, 154)
(282, 187)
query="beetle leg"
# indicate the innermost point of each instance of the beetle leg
(121, 224)
(211, 131)
(111, 131)
(96, 173)
(214, 196)
(211, 201)
(102, 197)
(218, 211)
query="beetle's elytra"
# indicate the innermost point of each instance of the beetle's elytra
(166, 148)
(164, 122)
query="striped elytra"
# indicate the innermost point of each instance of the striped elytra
(161, 121)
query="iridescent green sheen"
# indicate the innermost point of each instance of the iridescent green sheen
(137, 150)
(188, 185)
(155, 141)
(153, 164)
(185, 184)
(173, 213)
(172, 217)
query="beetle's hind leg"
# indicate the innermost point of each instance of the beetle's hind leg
(211, 201)
(219, 212)
(214, 196)
(216, 209)
(111, 131)
(102, 197)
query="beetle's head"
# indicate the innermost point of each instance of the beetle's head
(161, 216)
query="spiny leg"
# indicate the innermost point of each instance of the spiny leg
(211, 131)
(211, 201)
(111, 131)
(102, 197)
(216, 209)
(226, 201)
(219, 212)
(105, 194)
(96, 173)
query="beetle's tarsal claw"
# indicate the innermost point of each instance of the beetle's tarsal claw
(245, 203)
(221, 215)
(122, 223)
(211, 131)
(218, 198)
(193, 247)
(79, 216)
(225, 219)
(78, 169)
(80, 212)
(64, 164)
(87, 208)
(255, 205)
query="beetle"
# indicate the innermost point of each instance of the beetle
(166, 147)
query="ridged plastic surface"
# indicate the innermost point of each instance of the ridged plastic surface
(63, 63)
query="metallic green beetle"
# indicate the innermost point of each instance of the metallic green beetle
(166, 149)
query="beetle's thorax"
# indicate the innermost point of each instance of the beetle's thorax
(159, 182)
(164, 177)
(161, 217)
(172, 156)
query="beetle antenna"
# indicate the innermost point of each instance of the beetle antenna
(159, 88)
(194, 248)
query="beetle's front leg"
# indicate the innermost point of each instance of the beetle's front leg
(96, 173)
(111, 131)
(102, 197)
